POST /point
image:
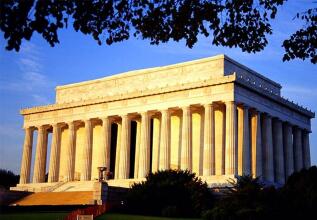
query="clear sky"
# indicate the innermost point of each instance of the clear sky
(28, 78)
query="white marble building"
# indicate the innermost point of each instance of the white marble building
(212, 116)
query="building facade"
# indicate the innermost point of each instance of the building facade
(212, 116)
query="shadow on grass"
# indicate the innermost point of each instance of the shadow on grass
(114, 216)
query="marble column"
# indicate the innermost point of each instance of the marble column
(278, 151)
(306, 149)
(144, 161)
(220, 135)
(256, 145)
(164, 163)
(53, 172)
(70, 153)
(186, 147)
(104, 157)
(26, 156)
(124, 164)
(118, 147)
(137, 149)
(298, 150)
(288, 149)
(244, 156)
(231, 162)
(156, 144)
(87, 152)
(209, 141)
(267, 141)
(40, 156)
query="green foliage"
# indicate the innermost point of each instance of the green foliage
(171, 193)
(244, 24)
(8, 178)
(303, 43)
(249, 199)
(299, 195)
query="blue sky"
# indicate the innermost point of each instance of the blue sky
(28, 78)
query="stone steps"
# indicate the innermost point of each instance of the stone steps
(76, 186)
(57, 198)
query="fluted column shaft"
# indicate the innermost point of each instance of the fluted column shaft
(278, 151)
(298, 151)
(306, 149)
(165, 141)
(256, 145)
(209, 141)
(118, 147)
(186, 149)
(87, 152)
(137, 149)
(53, 172)
(40, 156)
(231, 162)
(156, 144)
(124, 164)
(104, 157)
(288, 149)
(220, 135)
(70, 153)
(26, 156)
(268, 148)
(144, 161)
(244, 159)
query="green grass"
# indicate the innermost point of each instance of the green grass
(33, 216)
(60, 215)
(112, 216)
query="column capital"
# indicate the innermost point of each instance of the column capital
(185, 107)
(244, 106)
(230, 102)
(31, 128)
(41, 128)
(71, 125)
(267, 115)
(144, 113)
(85, 120)
(104, 119)
(57, 125)
(166, 111)
(126, 116)
(208, 104)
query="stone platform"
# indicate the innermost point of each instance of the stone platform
(89, 192)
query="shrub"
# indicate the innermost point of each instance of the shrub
(8, 178)
(299, 195)
(172, 193)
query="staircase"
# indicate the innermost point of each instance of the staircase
(62, 193)
(76, 186)
(57, 198)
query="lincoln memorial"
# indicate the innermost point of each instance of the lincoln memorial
(213, 116)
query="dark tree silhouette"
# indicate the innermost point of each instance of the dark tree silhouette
(239, 23)
(171, 193)
(8, 178)
(303, 43)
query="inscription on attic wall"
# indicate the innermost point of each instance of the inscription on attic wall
(141, 81)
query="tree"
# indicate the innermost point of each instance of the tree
(303, 43)
(299, 194)
(240, 23)
(172, 193)
(8, 178)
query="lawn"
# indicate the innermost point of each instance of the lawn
(60, 215)
(112, 216)
(33, 216)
